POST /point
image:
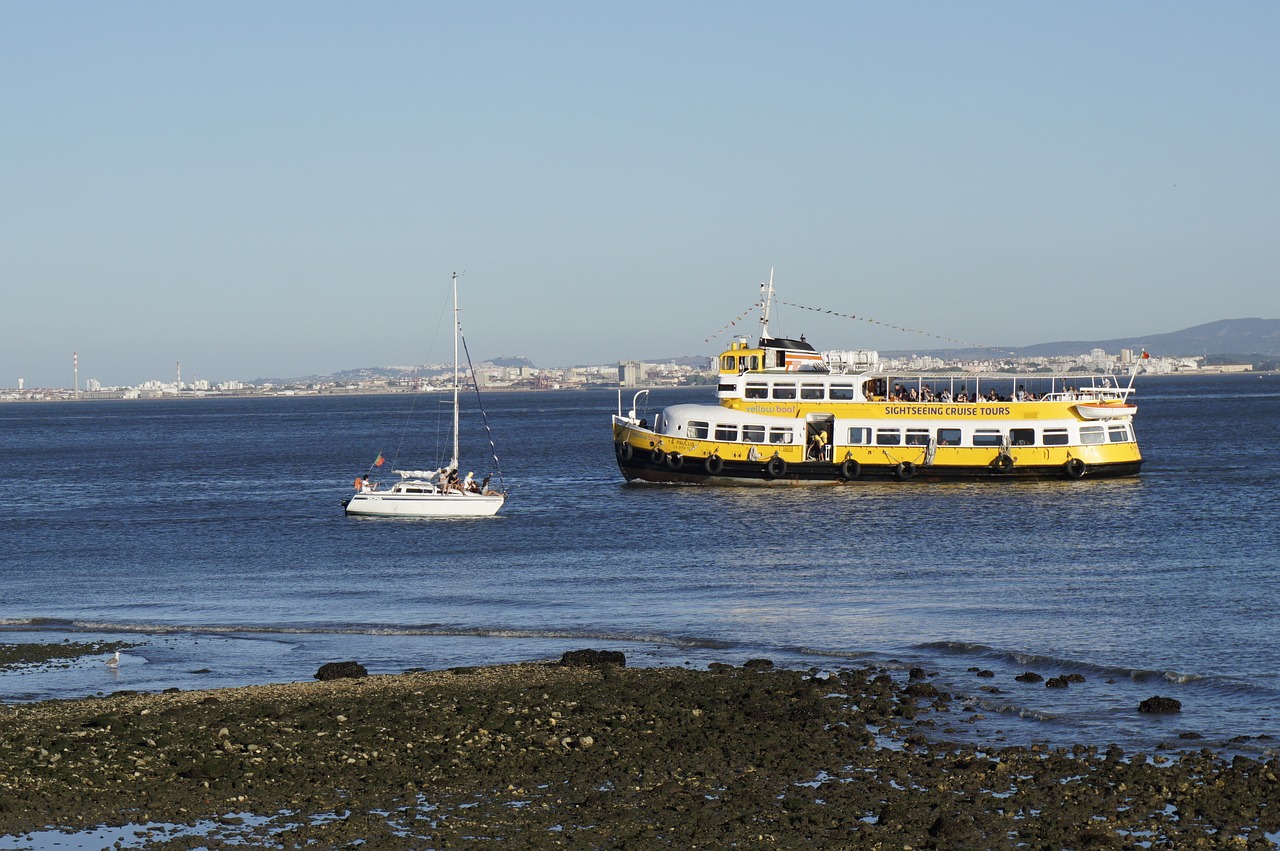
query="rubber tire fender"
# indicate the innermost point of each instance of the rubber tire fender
(1074, 468)
(713, 464)
(657, 456)
(776, 468)
(625, 451)
(674, 461)
(850, 469)
(905, 470)
(1003, 462)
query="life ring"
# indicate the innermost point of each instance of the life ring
(657, 456)
(850, 469)
(776, 468)
(675, 461)
(1074, 468)
(624, 451)
(713, 464)
(904, 471)
(1003, 462)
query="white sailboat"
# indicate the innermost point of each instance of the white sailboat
(432, 493)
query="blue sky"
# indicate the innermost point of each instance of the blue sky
(281, 189)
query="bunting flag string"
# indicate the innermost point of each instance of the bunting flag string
(733, 322)
(963, 343)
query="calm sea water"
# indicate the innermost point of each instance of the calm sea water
(211, 533)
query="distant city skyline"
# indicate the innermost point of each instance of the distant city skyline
(284, 189)
(1239, 342)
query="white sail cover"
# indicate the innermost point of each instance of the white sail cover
(421, 474)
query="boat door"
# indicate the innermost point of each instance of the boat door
(820, 430)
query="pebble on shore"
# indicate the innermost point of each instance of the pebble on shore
(545, 755)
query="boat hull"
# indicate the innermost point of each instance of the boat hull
(812, 473)
(424, 505)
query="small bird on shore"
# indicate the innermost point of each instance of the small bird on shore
(114, 661)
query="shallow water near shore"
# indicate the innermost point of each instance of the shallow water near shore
(210, 534)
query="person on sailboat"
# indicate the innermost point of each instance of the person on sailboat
(469, 484)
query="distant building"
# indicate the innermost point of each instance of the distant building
(631, 373)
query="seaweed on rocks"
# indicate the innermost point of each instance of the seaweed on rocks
(541, 756)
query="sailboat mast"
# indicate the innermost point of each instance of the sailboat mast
(456, 331)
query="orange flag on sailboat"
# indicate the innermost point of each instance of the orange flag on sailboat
(379, 461)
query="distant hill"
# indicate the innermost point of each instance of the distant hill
(1224, 337)
(512, 361)
(694, 361)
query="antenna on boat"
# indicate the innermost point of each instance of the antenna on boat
(766, 293)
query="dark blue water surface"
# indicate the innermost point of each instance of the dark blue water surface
(211, 533)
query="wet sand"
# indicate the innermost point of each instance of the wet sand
(600, 756)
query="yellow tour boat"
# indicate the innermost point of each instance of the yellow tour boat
(786, 414)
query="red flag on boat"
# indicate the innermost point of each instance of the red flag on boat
(1144, 357)
(379, 461)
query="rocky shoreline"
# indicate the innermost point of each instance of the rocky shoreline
(590, 754)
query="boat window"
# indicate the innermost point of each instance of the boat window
(859, 436)
(698, 430)
(948, 437)
(987, 437)
(753, 434)
(1056, 437)
(726, 432)
(841, 392)
(1091, 434)
(780, 435)
(757, 391)
(812, 391)
(917, 437)
(1022, 436)
(888, 437)
(784, 391)
(728, 363)
(874, 389)
(755, 363)
(1118, 434)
